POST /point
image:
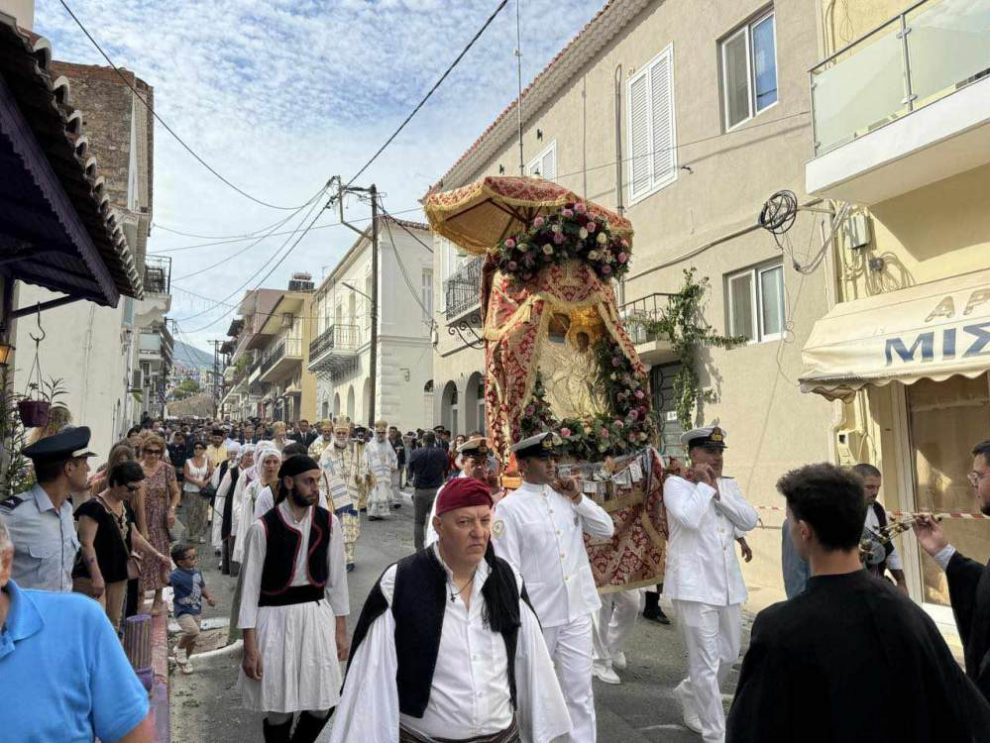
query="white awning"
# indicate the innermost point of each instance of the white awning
(929, 331)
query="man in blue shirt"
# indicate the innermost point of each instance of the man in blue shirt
(428, 467)
(63, 675)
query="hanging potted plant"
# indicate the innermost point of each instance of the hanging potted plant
(35, 407)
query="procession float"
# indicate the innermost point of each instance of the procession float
(558, 357)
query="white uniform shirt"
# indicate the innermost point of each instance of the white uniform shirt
(257, 547)
(470, 693)
(701, 553)
(540, 532)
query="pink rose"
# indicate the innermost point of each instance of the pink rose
(640, 394)
(616, 361)
(510, 243)
(530, 410)
(619, 423)
(566, 213)
(512, 266)
(592, 225)
(633, 415)
(559, 238)
(565, 432)
(606, 270)
(539, 222)
(580, 208)
(623, 257)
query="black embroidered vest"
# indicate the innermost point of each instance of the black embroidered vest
(283, 545)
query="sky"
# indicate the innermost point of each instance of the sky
(279, 95)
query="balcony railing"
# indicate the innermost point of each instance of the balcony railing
(285, 347)
(336, 337)
(640, 313)
(157, 274)
(462, 290)
(921, 55)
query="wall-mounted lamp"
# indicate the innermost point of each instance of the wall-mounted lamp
(501, 169)
(405, 373)
(539, 134)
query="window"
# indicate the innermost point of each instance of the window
(426, 295)
(652, 139)
(749, 70)
(544, 165)
(756, 303)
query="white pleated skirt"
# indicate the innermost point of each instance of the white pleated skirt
(299, 667)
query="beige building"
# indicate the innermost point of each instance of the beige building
(902, 140)
(267, 375)
(340, 354)
(686, 121)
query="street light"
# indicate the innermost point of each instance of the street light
(355, 289)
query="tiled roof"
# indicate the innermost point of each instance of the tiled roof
(44, 100)
(606, 23)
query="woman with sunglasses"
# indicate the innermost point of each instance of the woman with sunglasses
(161, 498)
(107, 536)
(196, 476)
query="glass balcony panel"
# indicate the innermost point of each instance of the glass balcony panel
(948, 45)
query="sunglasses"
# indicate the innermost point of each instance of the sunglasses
(152, 451)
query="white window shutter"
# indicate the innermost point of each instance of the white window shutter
(549, 165)
(639, 135)
(662, 120)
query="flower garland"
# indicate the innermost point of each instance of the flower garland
(628, 427)
(571, 232)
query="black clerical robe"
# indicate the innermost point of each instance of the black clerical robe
(852, 659)
(969, 592)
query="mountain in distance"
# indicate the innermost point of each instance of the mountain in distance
(190, 356)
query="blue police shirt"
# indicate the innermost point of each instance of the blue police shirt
(64, 676)
(45, 542)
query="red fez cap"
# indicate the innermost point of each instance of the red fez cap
(462, 492)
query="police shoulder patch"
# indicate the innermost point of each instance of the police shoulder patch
(498, 528)
(9, 504)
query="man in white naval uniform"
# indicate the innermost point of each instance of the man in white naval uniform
(540, 530)
(706, 512)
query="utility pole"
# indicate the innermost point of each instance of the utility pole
(372, 192)
(216, 377)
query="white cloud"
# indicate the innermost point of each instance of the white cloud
(278, 95)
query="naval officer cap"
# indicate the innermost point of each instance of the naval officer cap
(709, 437)
(476, 447)
(69, 443)
(541, 446)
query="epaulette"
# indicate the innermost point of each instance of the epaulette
(11, 503)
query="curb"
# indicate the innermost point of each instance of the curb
(216, 658)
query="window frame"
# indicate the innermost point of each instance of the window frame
(633, 198)
(755, 274)
(746, 29)
(537, 162)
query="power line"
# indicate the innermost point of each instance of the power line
(232, 241)
(245, 236)
(430, 92)
(262, 268)
(405, 276)
(161, 121)
(407, 230)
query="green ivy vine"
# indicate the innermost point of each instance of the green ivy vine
(682, 323)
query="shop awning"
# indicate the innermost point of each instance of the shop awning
(929, 331)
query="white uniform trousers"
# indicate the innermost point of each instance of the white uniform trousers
(712, 636)
(570, 649)
(613, 623)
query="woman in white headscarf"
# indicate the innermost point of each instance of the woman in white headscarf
(248, 475)
(223, 504)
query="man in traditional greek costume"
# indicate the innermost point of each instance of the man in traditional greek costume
(448, 647)
(380, 462)
(340, 486)
(293, 609)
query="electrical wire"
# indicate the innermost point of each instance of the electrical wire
(405, 276)
(233, 241)
(165, 125)
(409, 232)
(430, 92)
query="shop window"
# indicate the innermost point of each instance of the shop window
(946, 420)
(756, 303)
(749, 70)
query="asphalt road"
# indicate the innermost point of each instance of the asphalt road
(205, 705)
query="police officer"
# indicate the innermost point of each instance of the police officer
(40, 520)
(540, 530)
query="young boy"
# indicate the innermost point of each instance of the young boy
(189, 591)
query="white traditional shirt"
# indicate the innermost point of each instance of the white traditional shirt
(701, 553)
(257, 547)
(541, 533)
(470, 691)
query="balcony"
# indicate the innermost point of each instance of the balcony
(334, 347)
(281, 359)
(462, 291)
(639, 316)
(906, 105)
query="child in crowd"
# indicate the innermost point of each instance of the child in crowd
(189, 590)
